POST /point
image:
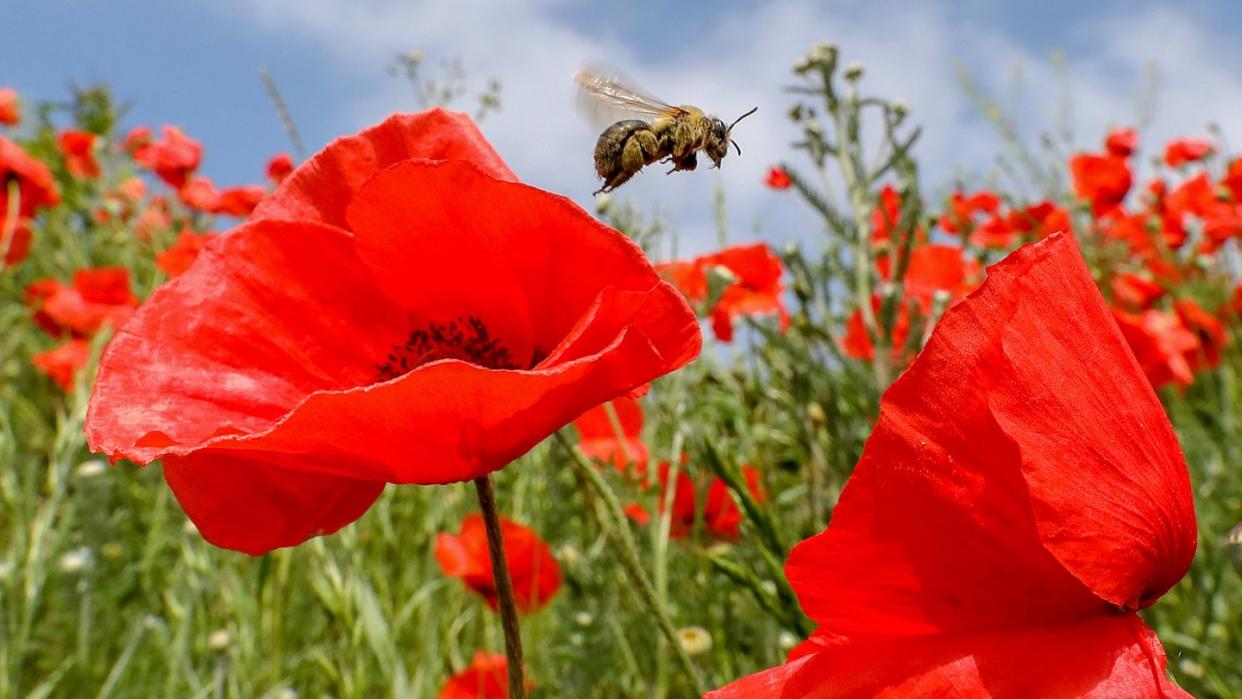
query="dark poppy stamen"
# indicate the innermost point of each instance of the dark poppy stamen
(465, 337)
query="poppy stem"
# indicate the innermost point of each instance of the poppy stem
(504, 587)
(617, 530)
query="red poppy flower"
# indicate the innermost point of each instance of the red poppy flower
(1180, 151)
(777, 178)
(15, 244)
(78, 149)
(1103, 180)
(296, 367)
(35, 186)
(173, 158)
(1232, 180)
(10, 107)
(935, 268)
(598, 438)
(1162, 345)
(1135, 291)
(279, 167)
(721, 515)
(199, 193)
(1207, 328)
(154, 218)
(178, 257)
(756, 291)
(962, 209)
(535, 573)
(486, 678)
(63, 363)
(1014, 502)
(1121, 142)
(857, 341)
(1039, 221)
(97, 297)
(885, 218)
(137, 138)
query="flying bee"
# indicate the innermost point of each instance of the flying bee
(658, 132)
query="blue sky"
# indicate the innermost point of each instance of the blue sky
(196, 62)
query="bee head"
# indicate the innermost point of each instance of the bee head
(719, 139)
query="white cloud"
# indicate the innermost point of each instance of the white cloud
(743, 60)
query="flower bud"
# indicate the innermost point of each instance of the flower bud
(219, 640)
(853, 72)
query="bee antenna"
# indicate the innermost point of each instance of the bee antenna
(741, 118)
(735, 145)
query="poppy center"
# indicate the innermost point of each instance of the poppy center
(465, 337)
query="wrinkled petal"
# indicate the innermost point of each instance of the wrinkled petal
(1109, 657)
(321, 188)
(1008, 482)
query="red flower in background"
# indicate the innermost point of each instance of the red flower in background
(535, 573)
(14, 244)
(1180, 151)
(181, 254)
(460, 319)
(138, 137)
(1207, 328)
(721, 515)
(1135, 291)
(63, 363)
(857, 341)
(1039, 221)
(201, 194)
(598, 437)
(777, 178)
(35, 186)
(886, 218)
(173, 158)
(960, 215)
(1014, 502)
(1103, 180)
(78, 149)
(1162, 344)
(1232, 180)
(486, 678)
(279, 167)
(756, 289)
(10, 107)
(1121, 142)
(97, 297)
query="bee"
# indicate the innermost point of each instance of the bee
(659, 131)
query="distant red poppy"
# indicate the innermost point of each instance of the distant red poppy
(1134, 291)
(1162, 344)
(1180, 151)
(756, 291)
(10, 107)
(154, 218)
(1039, 221)
(960, 214)
(63, 363)
(1207, 328)
(1232, 181)
(279, 167)
(486, 678)
(181, 254)
(966, 543)
(296, 367)
(35, 186)
(598, 437)
(535, 573)
(1103, 180)
(14, 244)
(857, 342)
(138, 137)
(1121, 142)
(721, 514)
(78, 149)
(173, 158)
(99, 296)
(777, 178)
(200, 193)
(886, 219)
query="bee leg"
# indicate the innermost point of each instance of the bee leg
(686, 164)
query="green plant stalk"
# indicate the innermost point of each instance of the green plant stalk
(504, 587)
(617, 530)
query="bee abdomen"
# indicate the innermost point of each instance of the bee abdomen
(611, 146)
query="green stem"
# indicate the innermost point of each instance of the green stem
(615, 527)
(504, 587)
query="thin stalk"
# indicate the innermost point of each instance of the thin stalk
(613, 522)
(504, 587)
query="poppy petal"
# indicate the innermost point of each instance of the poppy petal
(949, 522)
(320, 188)
(1104, 657)
(176, 375)
(258, 502)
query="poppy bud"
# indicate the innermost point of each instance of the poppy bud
(853, 72)
(815, 413)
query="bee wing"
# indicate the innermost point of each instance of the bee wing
(607, 99)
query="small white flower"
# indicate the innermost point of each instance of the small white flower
(583, 618)
(219, 640)
(787, 640)
(77, 560)
(695, 640)
(89, 469)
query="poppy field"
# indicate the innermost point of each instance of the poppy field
(389, 421)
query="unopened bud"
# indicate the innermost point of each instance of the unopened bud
(219, 640)
(91, 468)
(853, 72)
(816, 414)
(602, 203)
